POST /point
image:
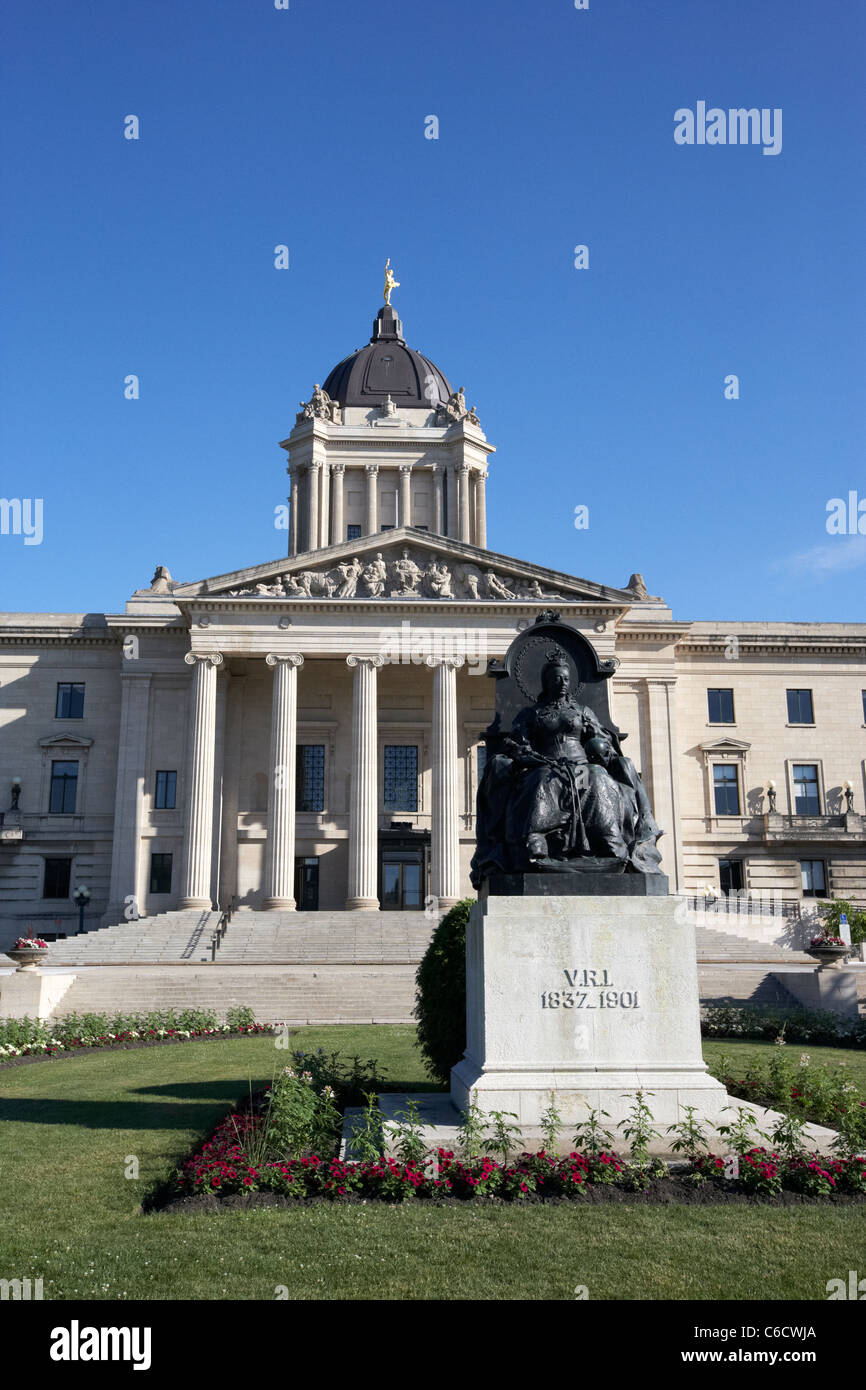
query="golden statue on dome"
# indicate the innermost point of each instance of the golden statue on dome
(390, 282)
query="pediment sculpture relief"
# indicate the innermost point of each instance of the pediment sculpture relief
(412, 574)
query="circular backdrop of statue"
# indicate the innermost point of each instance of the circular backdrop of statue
(519, 675)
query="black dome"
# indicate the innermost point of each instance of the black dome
(387, 367)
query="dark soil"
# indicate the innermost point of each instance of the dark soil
(660, 1192)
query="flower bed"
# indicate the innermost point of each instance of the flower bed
(54, 1046)
(220, 1170)
(22, 1038)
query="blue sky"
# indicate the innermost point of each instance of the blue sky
(602, 387)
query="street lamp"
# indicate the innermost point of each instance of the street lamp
(848, 793)
(16, 793)
(81, 899)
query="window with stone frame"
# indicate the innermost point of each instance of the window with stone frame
(310, 777)
(800, 709)
(70, 700)
(401, 777)
(64, 788)
(165, 798)
(160, 873)
(55, 883)
(353, 533)
(731, 876)
(807, 789)
(726, 789)
(720, 706)
(813, 876)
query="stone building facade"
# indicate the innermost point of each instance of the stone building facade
(308, 731)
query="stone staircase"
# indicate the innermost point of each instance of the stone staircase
(169, 937)
(726, 948)
(254, 938)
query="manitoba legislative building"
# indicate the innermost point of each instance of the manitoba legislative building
(306, 734)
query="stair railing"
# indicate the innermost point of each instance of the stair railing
(221, 929)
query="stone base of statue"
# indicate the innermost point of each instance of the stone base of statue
(587, 999)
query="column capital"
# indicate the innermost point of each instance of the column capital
(453, 663)
(371, 467)
(462, 469)
(354, 660)
(406, 468)
(213, 658)
(314, 465)
(338, 468)
(291, 658)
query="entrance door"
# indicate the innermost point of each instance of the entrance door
(307, 884)
(402, 880)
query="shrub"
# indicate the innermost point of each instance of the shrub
(817, 1026)
(832, 911)
(440, 994)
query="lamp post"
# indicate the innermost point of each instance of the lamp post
(771, 795)
(848, 793)
(16, 793)
(81, 899)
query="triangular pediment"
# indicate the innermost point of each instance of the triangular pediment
(725, 745)
(404, 564)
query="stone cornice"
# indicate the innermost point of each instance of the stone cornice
(750, 644)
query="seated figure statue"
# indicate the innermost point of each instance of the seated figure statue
(558, 793)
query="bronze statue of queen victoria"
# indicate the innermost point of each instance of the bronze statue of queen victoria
(557, 793)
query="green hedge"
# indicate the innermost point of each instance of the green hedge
(440, 994)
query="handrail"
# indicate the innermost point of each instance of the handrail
(221, 928)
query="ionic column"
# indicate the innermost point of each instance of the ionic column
(452, 527)
(372, 518)
(405, 518)
(124, 893)
(324, 503)
(294, 484)
(198, 834)
(363, 792)
(314, 469)
(445, 837)
(481, 509)
(463, 521)
(338, 473)
(440, 525)
(279, 882)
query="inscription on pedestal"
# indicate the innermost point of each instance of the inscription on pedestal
(589, 989)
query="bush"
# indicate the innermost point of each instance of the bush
(440, 994)
(832, 911)
(816, 1026)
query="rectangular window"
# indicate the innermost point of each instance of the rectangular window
(807, 801)
(70, 701)
(310, 777)
(353, 533)
(160, 873)
(813, 878)
(166, 791)
(721, 706)
(401, 778)
(57, 876)
(800, 707)
(386, 527)
(726, 789)
(731, 875)
(64, 788)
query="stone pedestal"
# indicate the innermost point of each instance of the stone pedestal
(589, 998)
(32, 993)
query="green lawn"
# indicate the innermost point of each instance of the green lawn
(70, 1215)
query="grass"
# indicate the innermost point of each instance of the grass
(69, 1214)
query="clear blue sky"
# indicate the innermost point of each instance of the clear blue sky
(602, 387)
